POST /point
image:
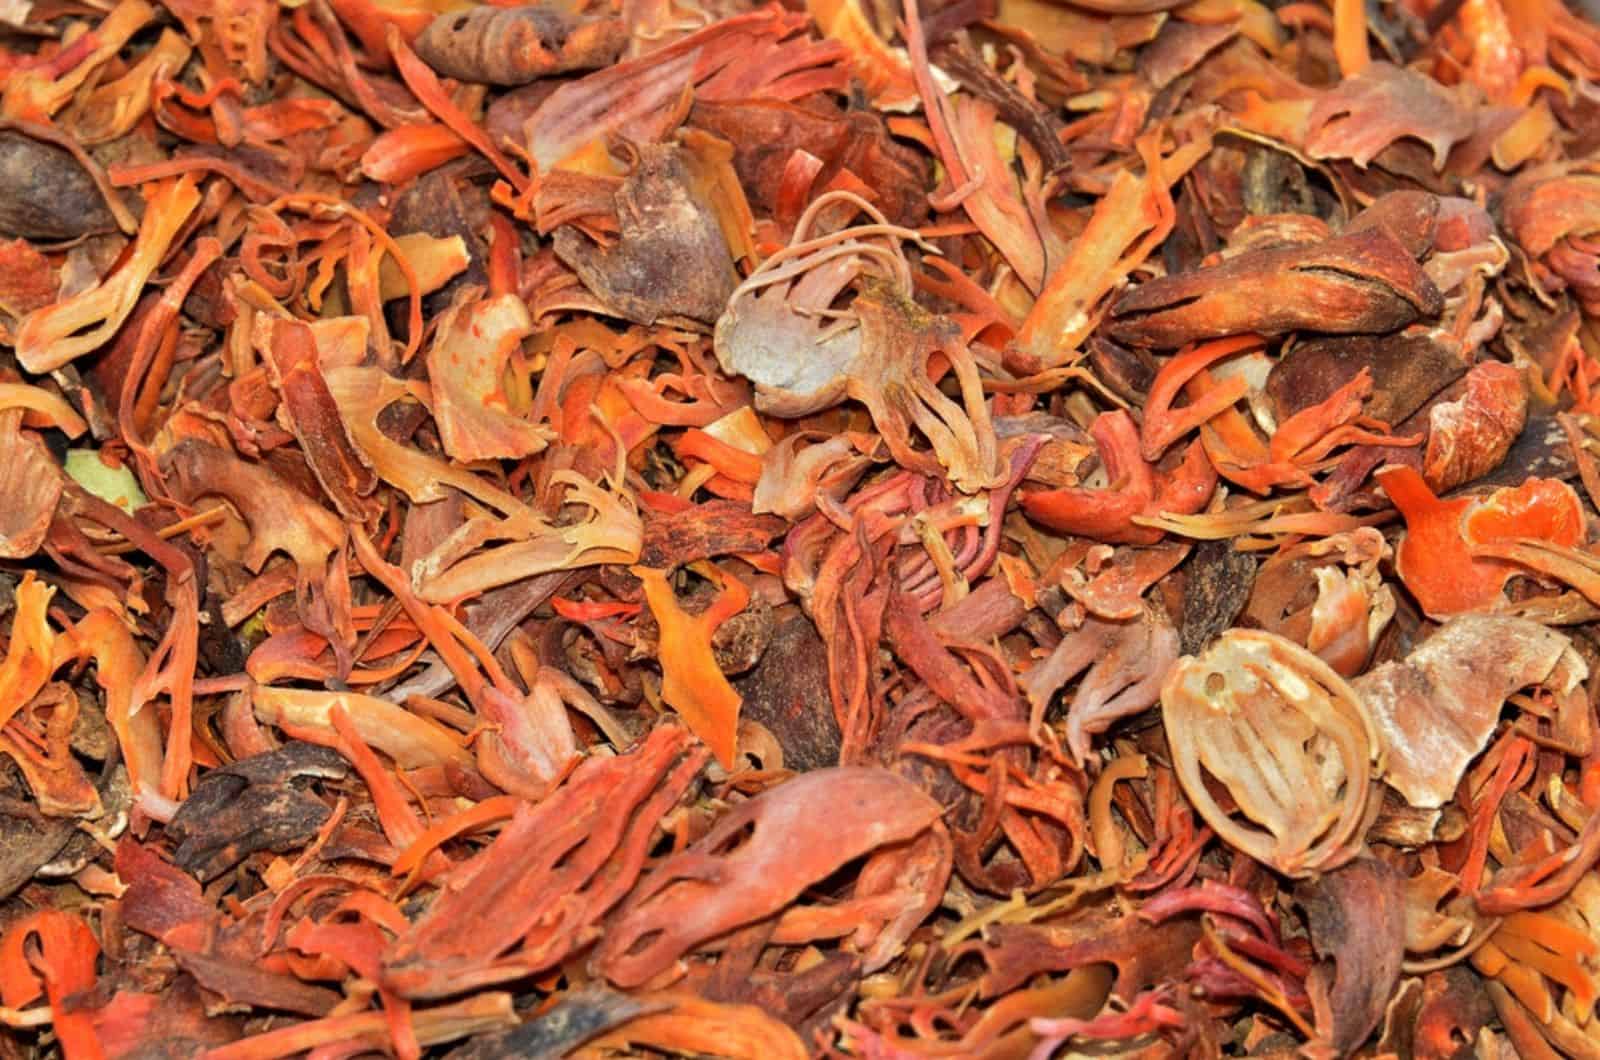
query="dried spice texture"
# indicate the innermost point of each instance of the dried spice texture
(984, 529)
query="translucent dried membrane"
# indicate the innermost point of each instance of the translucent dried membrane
(1286, 736)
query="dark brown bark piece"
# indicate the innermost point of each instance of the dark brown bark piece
(45, 193)
(671, 259)
(1357, 920)
(1407, 369)
(252, 805)
(788, 693)
(580, 1015)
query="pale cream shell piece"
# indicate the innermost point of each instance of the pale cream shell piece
(1286, 736)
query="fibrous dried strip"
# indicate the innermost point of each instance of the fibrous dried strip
(756, 860)
(1286, 736)
(410, 740)
(611, 534)
(633, 97)
(362, 394)
(1128, 224)
(35, 94)
(538, 891)
(291, 351)
(51, 337)
(1435, 710)
(608, 532)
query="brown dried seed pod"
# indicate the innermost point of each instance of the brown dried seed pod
(1286, 736)
(516, 45)
(45, 193)
(1364, 281)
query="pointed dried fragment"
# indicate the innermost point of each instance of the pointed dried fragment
(579, 1016)
(1362, 115)
(1357, 919)
(691, 682)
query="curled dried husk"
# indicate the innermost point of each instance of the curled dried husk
(1554, 217)
(1286, 736)
(1439, 559)
(466, 365)
(670, 258)
(516, 45)
(781, 332)
(1328, 595)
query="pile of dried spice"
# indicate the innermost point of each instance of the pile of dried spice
(999, 529)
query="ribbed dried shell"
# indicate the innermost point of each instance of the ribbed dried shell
(1286, 736)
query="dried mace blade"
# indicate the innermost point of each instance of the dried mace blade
(1288, 739)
